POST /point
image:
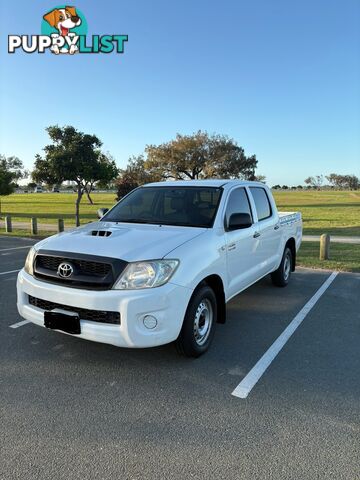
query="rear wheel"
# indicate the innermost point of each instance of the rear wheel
(199, 323)
(281, 276)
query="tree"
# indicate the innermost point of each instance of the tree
(31, 185)
(72, 155)
(199, 156)
(135, 175)
(334, 180)
(11, 170)
(104, 171)
(276, 187)
(124, 185)
(353, 182)
(260, 178)
(350, 182)
(315, 182)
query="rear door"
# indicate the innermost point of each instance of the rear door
(266, 230)
(241, 262)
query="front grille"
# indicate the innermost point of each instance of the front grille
(84, 314)
(83, 266)
(91, 272)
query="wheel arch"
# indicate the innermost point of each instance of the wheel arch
(292, 245)
(215, 282)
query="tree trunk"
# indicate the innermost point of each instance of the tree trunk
(88, 196)
(77, 206)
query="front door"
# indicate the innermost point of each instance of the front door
(240, 245)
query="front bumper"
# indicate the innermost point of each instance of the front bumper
(167, 304)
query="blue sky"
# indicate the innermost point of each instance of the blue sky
(282, 78)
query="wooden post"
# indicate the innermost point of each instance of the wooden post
(8, 224)
(325, 246)
(33, 226)
(60, 225)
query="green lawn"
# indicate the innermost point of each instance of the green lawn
(48, 207)
(343, 257)
(334, 212)
(337, 213)
(18, 232)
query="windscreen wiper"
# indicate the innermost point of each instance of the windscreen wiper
(133, 220)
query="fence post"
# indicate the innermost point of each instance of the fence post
(33, 226)
(325, 246)
(60, 225)
(8, 224)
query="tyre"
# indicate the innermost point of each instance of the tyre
(281, 276)
(199, 323)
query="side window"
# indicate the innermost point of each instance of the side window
(238, 202)
(262, 204)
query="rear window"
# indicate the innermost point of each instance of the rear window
(262, 204)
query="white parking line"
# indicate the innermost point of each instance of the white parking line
(14, 248)
(250, 380)
(19, 324)
(10, 271)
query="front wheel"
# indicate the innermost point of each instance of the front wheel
(281, 276)
(199, 323)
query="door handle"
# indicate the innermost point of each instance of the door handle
(232, 246)
(256, 234)
(276, 227)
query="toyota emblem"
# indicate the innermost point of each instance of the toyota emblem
(65, 270)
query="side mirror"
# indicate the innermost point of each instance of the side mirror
(239, 220)
(101, 212)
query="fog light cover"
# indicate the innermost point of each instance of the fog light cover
(150, 322)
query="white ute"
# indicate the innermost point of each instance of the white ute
(160, 265)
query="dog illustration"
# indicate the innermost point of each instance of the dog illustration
(63, 19)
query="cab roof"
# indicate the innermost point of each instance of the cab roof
(201, 183)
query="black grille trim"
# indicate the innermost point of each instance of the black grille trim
(91, 272)
(98, 316)
(85, 266)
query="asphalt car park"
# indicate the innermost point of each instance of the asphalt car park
(77, 409)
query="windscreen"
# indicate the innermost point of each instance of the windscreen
(185, 206)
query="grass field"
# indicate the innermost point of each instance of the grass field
(337, 213)
(50, 206)
(333, 212)
(343, 257)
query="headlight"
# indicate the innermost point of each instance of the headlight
(146, 274)
(29, 262)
